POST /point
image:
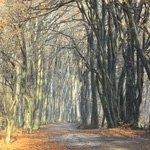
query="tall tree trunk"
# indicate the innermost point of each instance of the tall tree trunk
(84, 99)
(94, 115)
(130, 86)
(39, 93)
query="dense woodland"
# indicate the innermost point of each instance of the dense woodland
(85, 61)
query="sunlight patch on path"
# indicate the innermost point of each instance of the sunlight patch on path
(87, 140)
(77, 139)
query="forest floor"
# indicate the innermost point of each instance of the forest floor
(66, 136)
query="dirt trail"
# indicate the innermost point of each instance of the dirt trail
(74, 138)
(60, 127)
(66, 136)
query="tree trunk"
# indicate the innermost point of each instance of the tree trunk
(39, 94)
(94, 117)
(9, 127)
(134, 32)
(84, 99)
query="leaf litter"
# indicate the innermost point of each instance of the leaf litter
(65, 136)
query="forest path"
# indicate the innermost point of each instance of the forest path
(66, 136)
(95, 139)
(60, 127)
